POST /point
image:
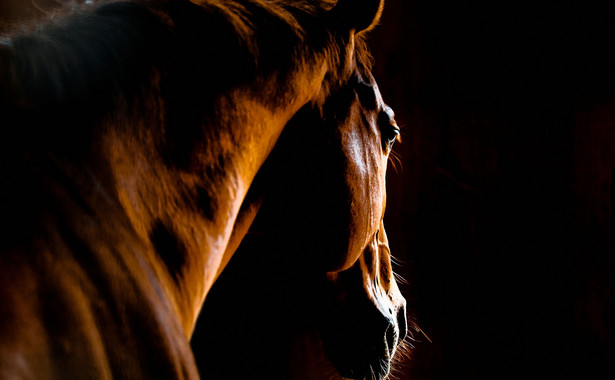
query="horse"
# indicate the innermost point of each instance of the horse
(133, 131)
(310, 292)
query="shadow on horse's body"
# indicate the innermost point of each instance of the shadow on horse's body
(310, 292)
(137, 129)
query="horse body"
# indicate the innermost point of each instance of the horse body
(137, 135)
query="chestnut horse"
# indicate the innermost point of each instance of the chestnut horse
(310, 293)
(133, 131)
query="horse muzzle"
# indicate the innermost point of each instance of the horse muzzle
(361, 334)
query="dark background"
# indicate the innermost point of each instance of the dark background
(501, 206)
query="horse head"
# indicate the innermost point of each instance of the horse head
(362, 317)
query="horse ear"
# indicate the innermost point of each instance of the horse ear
(356, 15)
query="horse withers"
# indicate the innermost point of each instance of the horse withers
(310, 292)
(133, 131)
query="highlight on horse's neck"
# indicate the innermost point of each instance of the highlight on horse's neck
(174, 206)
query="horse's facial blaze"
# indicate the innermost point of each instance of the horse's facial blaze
(366, 318)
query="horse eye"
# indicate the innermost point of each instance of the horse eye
(388, 129)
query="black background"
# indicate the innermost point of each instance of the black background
(502, 204)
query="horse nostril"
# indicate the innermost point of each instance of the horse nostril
(391, 339)
(402, 322)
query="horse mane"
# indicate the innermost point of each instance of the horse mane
(84, 56)
(295, 15)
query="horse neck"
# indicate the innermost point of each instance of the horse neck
(191, 209)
